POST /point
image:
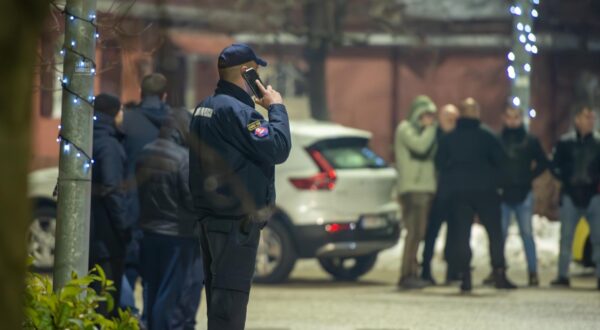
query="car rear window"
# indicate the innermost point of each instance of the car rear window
(349, 153)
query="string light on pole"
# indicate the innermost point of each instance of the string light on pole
(83, 65)
(519, 67)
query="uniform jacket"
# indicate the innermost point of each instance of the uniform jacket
(233, 153)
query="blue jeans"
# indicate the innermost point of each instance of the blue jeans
(569, 217)
(173, 280)
(523, 213)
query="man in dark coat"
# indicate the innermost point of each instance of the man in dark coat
(470, 159)
(141, 125)
(109, 229)
(526, 161)
(576, 164)
(171, 262)
(447, 117)
(232, 178)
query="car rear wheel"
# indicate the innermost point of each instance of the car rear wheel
(348, 268)
(42, 238)
(276, 255)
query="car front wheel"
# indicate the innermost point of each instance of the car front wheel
(42, 238)
(276, 255)
(348, 268)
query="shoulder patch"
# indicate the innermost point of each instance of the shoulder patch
(253, 125)
(204, 112)
(261, 132)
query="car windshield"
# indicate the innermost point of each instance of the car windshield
(349, 153)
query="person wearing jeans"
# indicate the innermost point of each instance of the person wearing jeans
(526, 160)
(523, 213)
(576, 164)
(570, 215)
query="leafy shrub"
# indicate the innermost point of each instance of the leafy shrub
(74, 306)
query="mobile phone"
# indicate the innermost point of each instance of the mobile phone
(250, 76)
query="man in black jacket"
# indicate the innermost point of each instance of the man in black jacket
(470, 158)
(447, 117)
(232, 178)
(109, 229)
(576, 164)
(171, 262)
(526, 161)
(141, 125)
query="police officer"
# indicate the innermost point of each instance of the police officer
(232, 167)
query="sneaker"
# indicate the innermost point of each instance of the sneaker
(561, 282)
(501, 281)
(598, 287)
(533, 279)
(411, 283)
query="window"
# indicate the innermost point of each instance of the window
(349, 153)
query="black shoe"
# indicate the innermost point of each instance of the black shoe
(501, 281)
(561, 282)
(598, 287)
(533, 279)
(489, 280)
(466, 286)
(426, 277)
(411, 283)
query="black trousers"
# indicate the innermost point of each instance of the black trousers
(437, 215)
(113, 269)
(229, 256)
(463, 207)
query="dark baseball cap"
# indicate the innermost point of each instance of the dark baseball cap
(237, 54)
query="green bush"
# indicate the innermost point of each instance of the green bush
(74, 306)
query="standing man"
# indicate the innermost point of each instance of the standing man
(526, 161)
(470, 159)
(140, 126)
(576, 164)
(447, 117)
(414, 147)
(109, 229)
(232, 169)
(171, 263)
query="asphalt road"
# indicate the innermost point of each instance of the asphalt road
(311, 300)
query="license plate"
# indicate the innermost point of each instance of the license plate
(373, 222)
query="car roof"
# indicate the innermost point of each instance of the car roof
(314, 130)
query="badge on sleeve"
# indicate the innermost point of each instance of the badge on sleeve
(261, 131)
(253, 125)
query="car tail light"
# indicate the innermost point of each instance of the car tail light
(337, 227)
(324, 180)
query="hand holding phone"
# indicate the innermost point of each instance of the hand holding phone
(270, 96)
(251, 76)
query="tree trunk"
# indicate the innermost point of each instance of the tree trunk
(20, 28)
(317, 91)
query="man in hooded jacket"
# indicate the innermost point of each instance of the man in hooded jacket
(414, 146)
(140, 126)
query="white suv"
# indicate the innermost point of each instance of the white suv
(334, 202)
